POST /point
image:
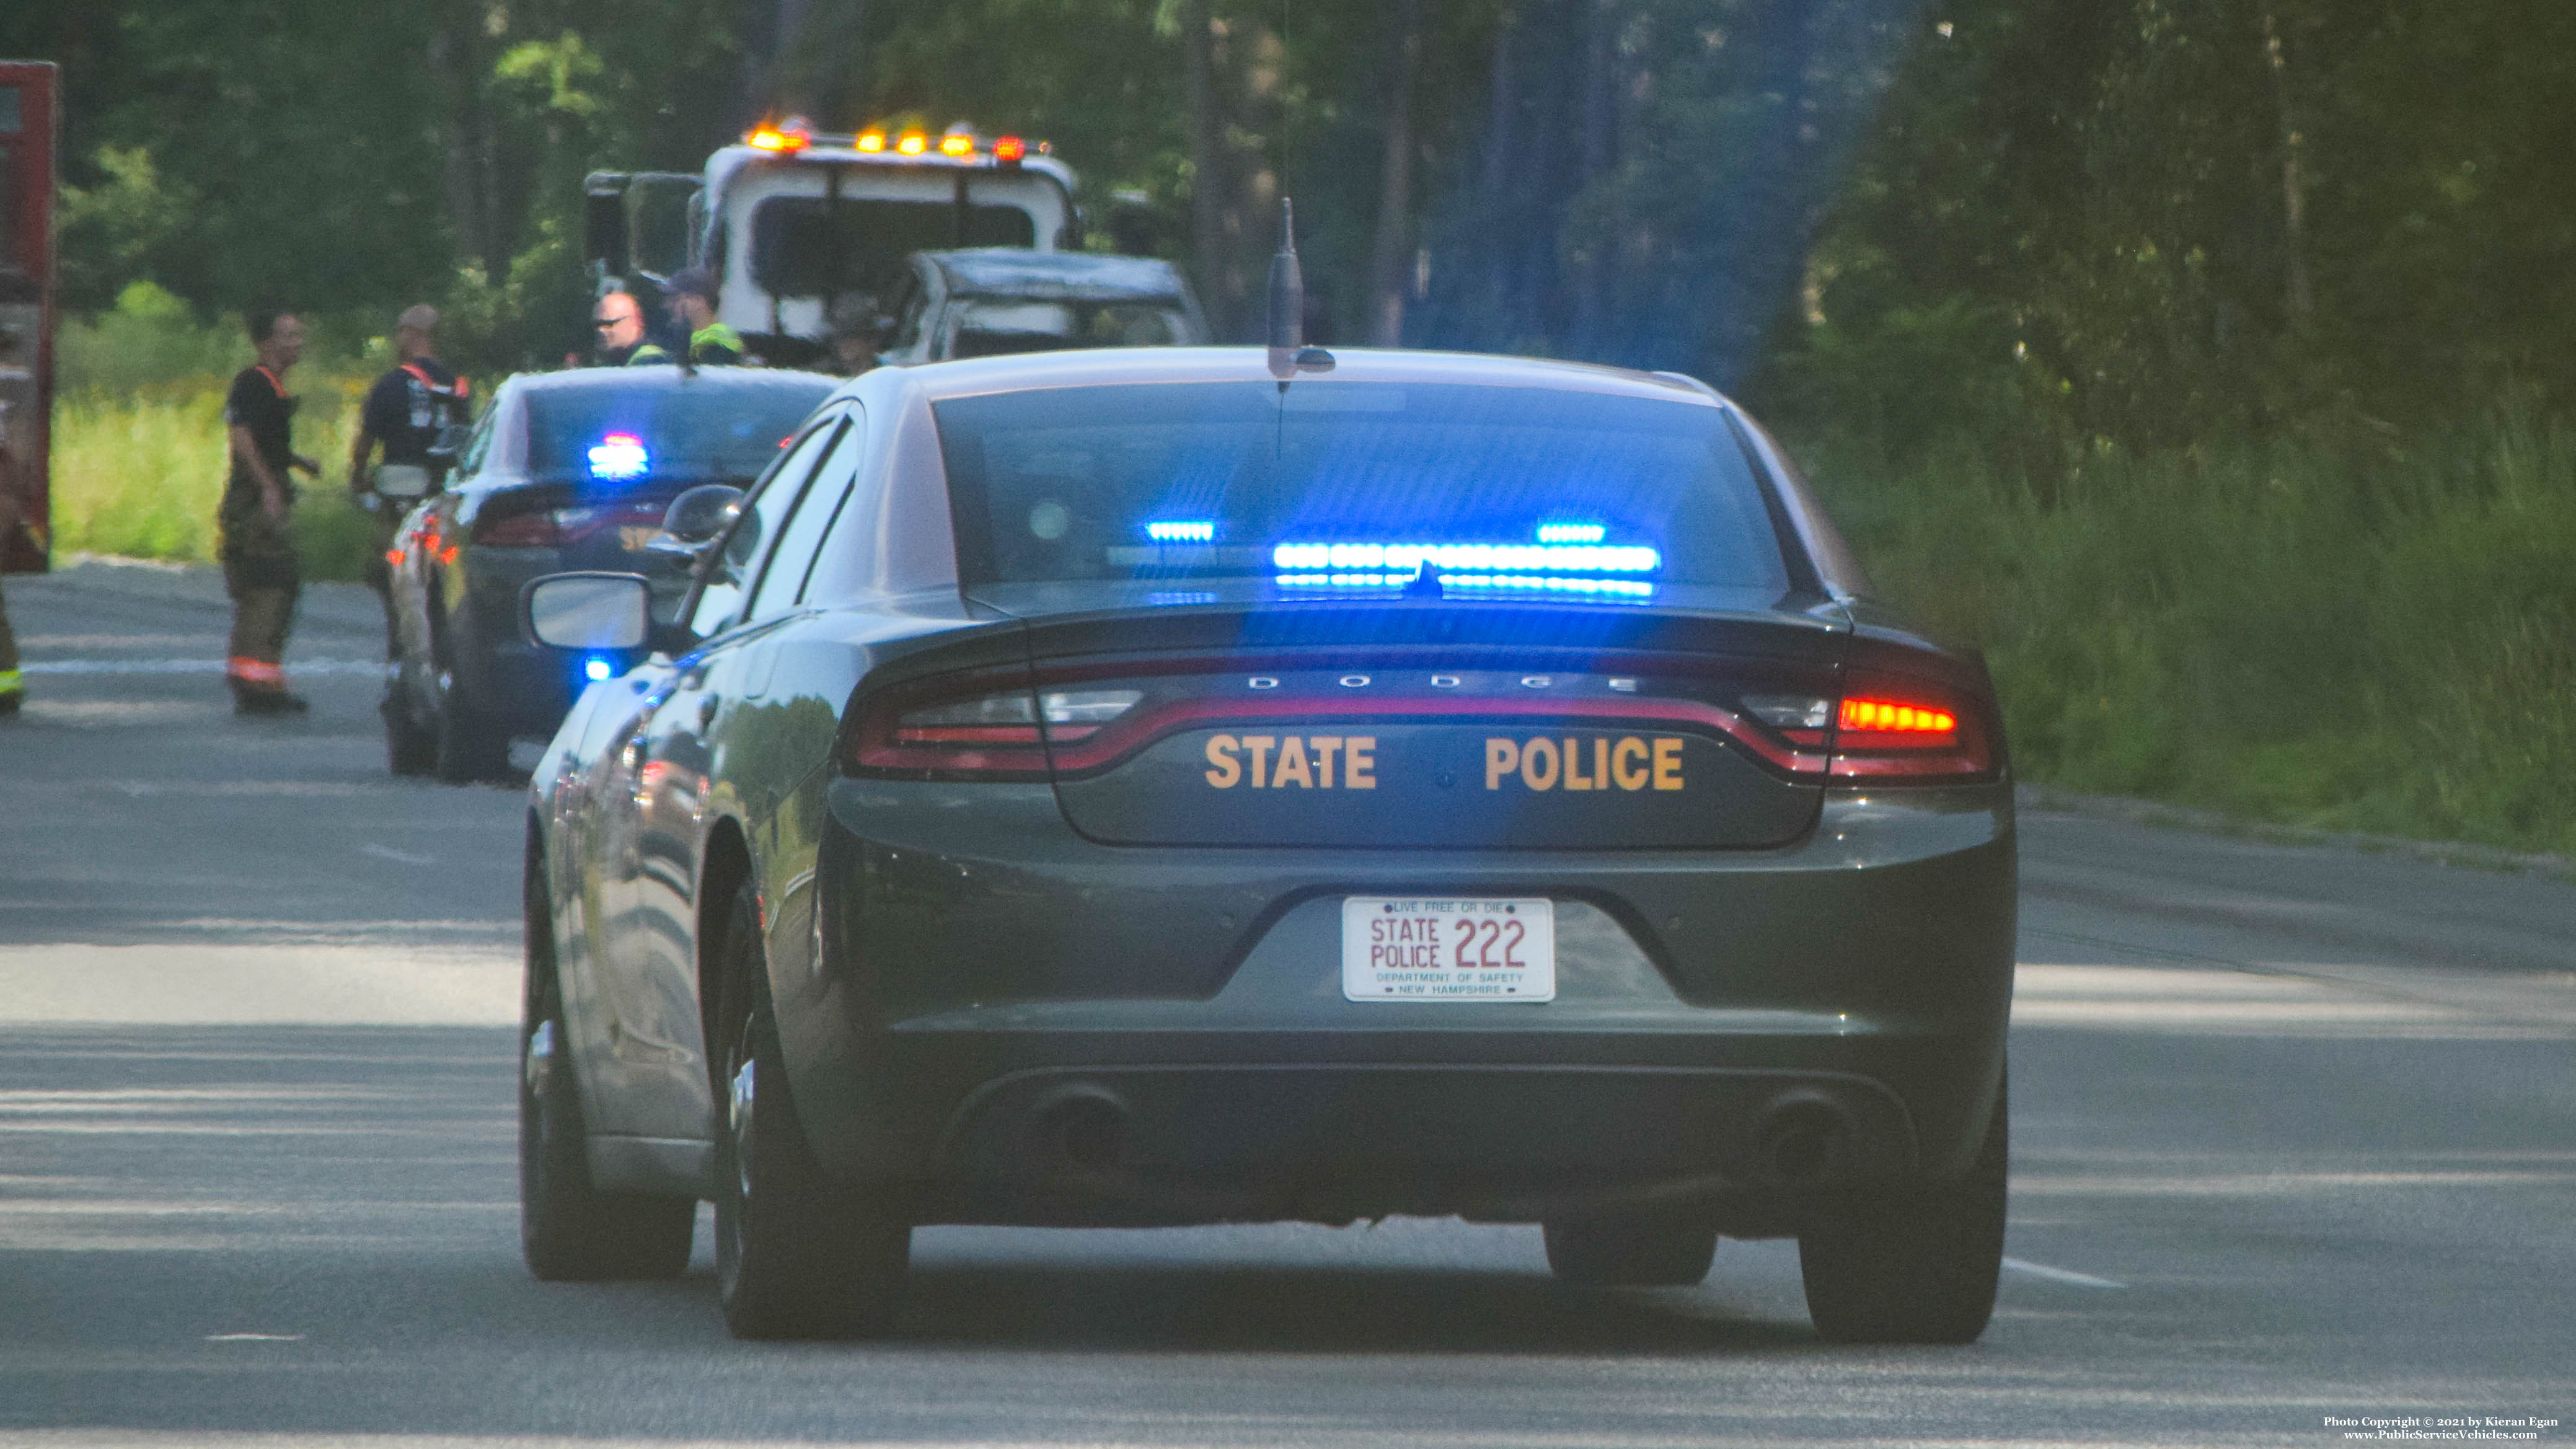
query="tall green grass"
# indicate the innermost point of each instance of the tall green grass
(139, 447)
(2380, 644)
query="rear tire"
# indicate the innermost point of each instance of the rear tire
(471, 746)
(569, 1230)
(797, 1255)
(1653, 1249)
(409, 749)
(1916, 1266)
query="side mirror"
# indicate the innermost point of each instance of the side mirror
(597, 612)
(698, 516)
(603, 220)
(401, 480)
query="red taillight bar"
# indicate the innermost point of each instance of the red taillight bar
(1889, 729)
(1127, 736)
(1010, 751)
(1892, 729)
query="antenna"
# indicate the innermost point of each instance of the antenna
(1287, 297)
(1289, 354)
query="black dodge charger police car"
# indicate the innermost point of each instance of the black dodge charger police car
(565, 470)
(1129, 788)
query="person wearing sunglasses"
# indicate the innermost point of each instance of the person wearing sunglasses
(617, 329)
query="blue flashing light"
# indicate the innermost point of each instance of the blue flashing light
(1408, 558)
(1176, 530)
(1571, 533)
(620, 455)
(1617, 588)
(1533, 583)
(1343, 581)
(1181, 596)
(596, 669)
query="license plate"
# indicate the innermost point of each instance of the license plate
(1448, 948)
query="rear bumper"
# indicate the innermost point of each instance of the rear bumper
(526, 687)
(995, 998)
(1331, 1143)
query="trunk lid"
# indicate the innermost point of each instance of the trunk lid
(1230, 718)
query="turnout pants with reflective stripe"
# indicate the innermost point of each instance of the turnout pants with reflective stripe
(261, 574)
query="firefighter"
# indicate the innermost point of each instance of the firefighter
(409, 412)
(693, 308)
(258, 548)
(617, 330)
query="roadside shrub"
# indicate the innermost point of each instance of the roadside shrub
(2378, 643)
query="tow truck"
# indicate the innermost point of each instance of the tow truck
(792, 221)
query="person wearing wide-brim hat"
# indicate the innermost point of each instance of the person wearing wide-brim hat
(857, 332)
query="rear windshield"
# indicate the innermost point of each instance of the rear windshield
(716, 426)
(1339, 486)
(811, 246)
(989, 326)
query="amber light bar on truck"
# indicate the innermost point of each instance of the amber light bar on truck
(959, 142)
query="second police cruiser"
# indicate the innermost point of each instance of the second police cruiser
(412, 412)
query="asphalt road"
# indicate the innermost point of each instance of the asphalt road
(2295, 1137)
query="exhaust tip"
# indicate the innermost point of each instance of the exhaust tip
(1084, 1130)
(1804, 1140)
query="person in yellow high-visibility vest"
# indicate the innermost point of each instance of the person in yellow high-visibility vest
(693, 306)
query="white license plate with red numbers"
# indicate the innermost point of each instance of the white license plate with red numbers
(1448, 948)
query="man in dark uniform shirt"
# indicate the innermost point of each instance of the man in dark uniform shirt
(408, 413)
(258, 549)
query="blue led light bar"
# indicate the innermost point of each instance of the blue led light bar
(1554, 558)
(1571, 533)
(1174, 530)
(1552, 583)
(620, 455)
(1536, 583)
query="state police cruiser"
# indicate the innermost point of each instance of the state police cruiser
(410, 412)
